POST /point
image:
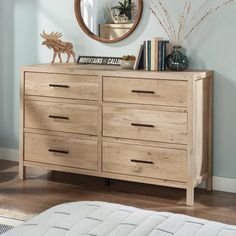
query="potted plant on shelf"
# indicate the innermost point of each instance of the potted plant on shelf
(127, 62)
(125, 8)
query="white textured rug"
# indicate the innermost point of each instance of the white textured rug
(10, 219)
(101, 218)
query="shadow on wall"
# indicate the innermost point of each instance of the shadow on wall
(18, 47)
(224, 125)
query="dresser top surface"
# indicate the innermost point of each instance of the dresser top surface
(106, 70)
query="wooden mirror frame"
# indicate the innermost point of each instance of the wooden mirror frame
(77, 7)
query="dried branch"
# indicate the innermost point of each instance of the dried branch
(185, 26)
(161, 23)
(185, 20)
(210, 12)
(163, 19)
(169, 20)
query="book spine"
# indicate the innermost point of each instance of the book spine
(140, 59)
(153, 54)
(160, 43)
(144, 55)
(136, 60)
(163, 60)
(149, 56)
(156, 55)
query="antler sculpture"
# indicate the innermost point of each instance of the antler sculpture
(52, 41)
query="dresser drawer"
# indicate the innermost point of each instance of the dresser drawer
(162, 126)
(150, 162)
(64, 117)
(145, 91)
(61, 151)
(61, 86)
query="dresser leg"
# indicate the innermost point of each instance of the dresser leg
(190, 196)
(22, 172)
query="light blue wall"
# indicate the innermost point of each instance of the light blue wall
(214, 47)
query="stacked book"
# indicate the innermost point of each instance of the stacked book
(152, 55)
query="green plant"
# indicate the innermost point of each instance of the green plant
(125, 8)
(128, 58)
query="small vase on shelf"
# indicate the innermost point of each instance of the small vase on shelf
(177, 61)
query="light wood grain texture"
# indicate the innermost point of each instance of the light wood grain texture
(62, 151)
(22, 168)
(62, 86)
(202, 114)
(145, 91)
(146, 143)
(145, 107)
(116, 71)
(61, 100)
(167, 131)
(209, 105)
(63, 117)
(114, 31)
(191, 149)
(137, 179)
(168, 164)
(149, 125)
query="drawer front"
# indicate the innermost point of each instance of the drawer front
(63, 117)
(62, 86)
(162, 126)
(146, 91)
(150, 162)
(61, 151)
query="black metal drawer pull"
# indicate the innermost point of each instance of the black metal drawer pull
(143, 125)
(142, 91)
(143, 162)
(58, 151)
(58, 86)
(59, 117)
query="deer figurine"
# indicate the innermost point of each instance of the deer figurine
(52, 41)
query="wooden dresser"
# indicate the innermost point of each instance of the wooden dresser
(149, 127)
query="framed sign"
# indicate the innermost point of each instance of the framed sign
(115, 61)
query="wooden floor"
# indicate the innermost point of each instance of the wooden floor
(41, 191)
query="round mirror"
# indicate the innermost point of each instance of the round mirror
(108, 21)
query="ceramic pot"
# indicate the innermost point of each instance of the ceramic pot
(127, 64)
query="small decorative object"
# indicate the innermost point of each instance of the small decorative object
(117, 18)
(125, 8)
(177, 61)
(127, 62)
(52, 41)
(115, 61)
(187, 23)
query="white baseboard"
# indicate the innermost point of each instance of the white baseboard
(219, 183)
(224, 184)
(9, 154)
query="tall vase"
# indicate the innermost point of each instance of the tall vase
(177, 61)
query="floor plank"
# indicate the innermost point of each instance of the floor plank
(43, 190)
